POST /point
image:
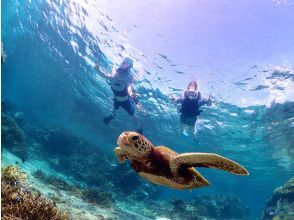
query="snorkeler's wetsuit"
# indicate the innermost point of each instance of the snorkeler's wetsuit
(190, 105)
(119, 86)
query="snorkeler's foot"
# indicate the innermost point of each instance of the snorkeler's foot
(108, 119)
(185, 134)
(140, 130)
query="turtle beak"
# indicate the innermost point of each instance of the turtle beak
(122, 140)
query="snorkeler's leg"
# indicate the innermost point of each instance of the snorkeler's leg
(196, 127)
(191, 130)
(190, 123)
(183, 126)
(107, 119)
(137, 123)
(129, 107)
(184, 129)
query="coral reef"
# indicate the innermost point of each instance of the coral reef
(18, 201)
(12, 175)
(281, 204)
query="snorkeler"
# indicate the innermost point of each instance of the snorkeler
(121, 85)
(189, 109)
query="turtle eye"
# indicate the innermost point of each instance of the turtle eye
(135, 138)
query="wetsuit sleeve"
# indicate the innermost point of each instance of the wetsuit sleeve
(179, 100)
(102, 73)
(204, 101)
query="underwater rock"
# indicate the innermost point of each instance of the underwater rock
(58, 141)
(55, 181)
(144, 192)
(18, 201)
(179, 205)
(19, 118)
(97, 197)
(121, 177)
(184, 210)
(13, 136)
(92, 195)
(75, 156)
(221, 207)
(71, 155)
(208, 207)
(281, 204)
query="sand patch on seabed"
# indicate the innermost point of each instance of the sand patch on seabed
(74, 206)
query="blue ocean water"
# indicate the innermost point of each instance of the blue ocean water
(48, 75)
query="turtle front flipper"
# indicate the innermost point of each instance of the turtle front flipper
(206, 160)
(119, 155)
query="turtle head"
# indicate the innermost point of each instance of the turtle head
(134, 144)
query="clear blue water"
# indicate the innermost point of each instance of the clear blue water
(241, 54)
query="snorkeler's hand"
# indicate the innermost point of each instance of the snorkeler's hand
(140, 107)
(135, 98)
(209, 101)
(101, 72)
(172, 98)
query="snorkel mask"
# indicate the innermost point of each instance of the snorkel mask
(127, 63)
(191, 94)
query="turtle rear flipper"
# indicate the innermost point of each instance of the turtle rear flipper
(207, 160)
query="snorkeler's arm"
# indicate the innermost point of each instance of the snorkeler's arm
(102, 73)
(135, 99)
(132, 94)
(179, 100)
(205, 101)
(176, 100)
(130, 90)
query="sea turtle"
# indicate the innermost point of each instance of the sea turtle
(163, 166)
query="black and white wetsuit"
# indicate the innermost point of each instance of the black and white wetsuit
(190, 104)
(119, 85)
